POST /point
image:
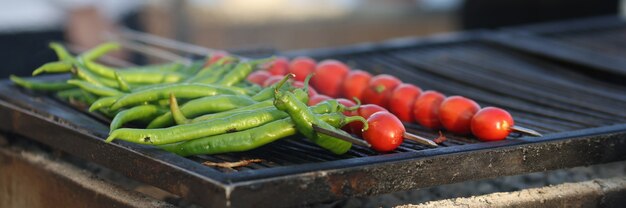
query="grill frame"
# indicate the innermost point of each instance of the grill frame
(79, 135)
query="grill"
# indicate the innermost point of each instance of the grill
(581, 117)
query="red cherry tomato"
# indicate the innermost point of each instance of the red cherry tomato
(301, 67)
(258, 77)
(379, 90)
(402, 100)
(367, 110)
(385, 132)
(329, 75)
(216, 56)
(456, 112)
(355, 83)
(279, 66)
(318, 99)
(272, 80)
(492, 124)
(364, 111)
(346, 102)
(312, 92)
(426, 109)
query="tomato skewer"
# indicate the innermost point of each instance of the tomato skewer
(407, 102)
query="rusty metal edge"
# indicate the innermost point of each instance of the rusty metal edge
(421, 169)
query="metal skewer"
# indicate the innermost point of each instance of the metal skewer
(152, 51)
(526, 131)
(419, 139)
(166, 43)
(344, 137)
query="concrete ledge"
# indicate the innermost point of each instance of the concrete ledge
(595, 193)
(29, 179)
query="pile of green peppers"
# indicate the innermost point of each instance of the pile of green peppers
(220, 111)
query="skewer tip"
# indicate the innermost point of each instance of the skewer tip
(420, 139)
(526, 131)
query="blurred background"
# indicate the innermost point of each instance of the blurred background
(26, 27)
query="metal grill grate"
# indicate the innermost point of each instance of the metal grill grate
(609, 41)
(599, 42)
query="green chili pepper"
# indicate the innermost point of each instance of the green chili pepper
(99, 69)
(180, 133)
(122, 83)
(41, 85)
(103, 102)
(184, 90)
(248, 139)
(151, 77)
(61, 52)
(134, 76)
(95, 89)
(166, 67)
(240, 72)
(88, 98)
(215, 76)
(304, 120)
(54, 67)
(268, 92)
(213, 72)
(140, 112)
(327, 106)
(210, 104)
(166, 120)
(69, 93)
(254, 89)
(100, 50)
(225, 114)
(88, 76)
(300, 94)
(176, 114)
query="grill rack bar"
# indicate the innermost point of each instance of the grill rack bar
(596, 42)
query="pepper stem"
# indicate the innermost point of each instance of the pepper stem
(178, 115)
(283, 81)
(351, 119)
(306, 82)
(355, 107)
(379, 88)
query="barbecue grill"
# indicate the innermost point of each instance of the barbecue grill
(581, 117)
